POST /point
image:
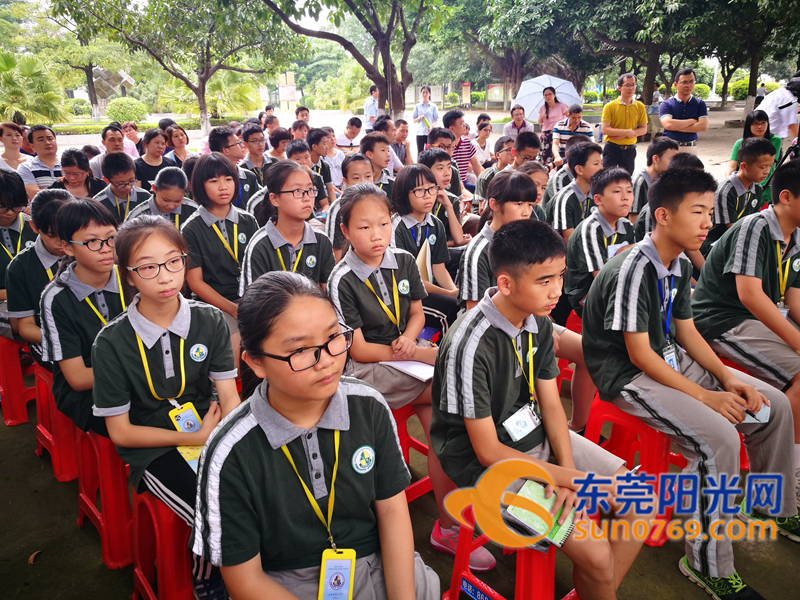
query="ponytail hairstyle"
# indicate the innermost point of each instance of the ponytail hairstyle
(74, 215)
(274, 180)
(508, 186)
(171, 177)
(130, 236)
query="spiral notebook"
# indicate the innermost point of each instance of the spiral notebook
(534, 525)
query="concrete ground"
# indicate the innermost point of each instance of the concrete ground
(38, 514)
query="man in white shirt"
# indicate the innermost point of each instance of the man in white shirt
(781, 107)
(371, 109)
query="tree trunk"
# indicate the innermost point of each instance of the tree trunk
(652, 68)
(200, 92)
(90, 89)
(755, 62)
(725, 82)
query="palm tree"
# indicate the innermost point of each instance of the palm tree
(227, 93)
(27, 92)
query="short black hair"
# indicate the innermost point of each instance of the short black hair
(218, 138)
(268, 108)
(527, 139)
(74, 215)
(315, 136)
(354, 122)
(682, 72)
(90, 151)
(450, 117)
(269, 119)
(658, 146)
(399, 122)
(73, 157)
(351, 158)
(166, 122)
(207, 167)
(685, 160)
(431, 156)
(381, 123)
(296, 147)
(252, 120)
(12, 190)
(512, 186)
(278, 135)
(440, 132)
(373, 88)
(356, 193)
(605, 177)
(188, 168)
(754, 148)
(483, 117)
(579, 154)
(108, 128)
(368, 141)
(36, 128)
(300, 109)
(502, 141)
(152, 134)
(575, 109)
(671, 187)
(115, 164)
(249, 129)
(299, 125)
(575, 140)
(621, 79)
(44, 207)
(407, 179)
(519, 245)
(171, 177)
(787, 177)
(327, 129)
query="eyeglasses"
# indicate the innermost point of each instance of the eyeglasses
(527, 158)
(74, 175)
(305, 358)
(175, 264)
(629, 85)
(503, 150)
(428, 191)
(310, 192)
(96, 244)
(13, 209)
(122, 186)
(443, 147)
(258, 141)
(239, 143)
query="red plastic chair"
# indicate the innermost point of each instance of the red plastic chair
(14, 394)
(629, 435)
(161, 554)
(55, 431)
(574, 322)
(565, 372)
(407, 442)
(101, 471)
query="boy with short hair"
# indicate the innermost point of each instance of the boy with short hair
(346, 142)
(401, 145)
(482, 118)
(224, 141)
(317, 140)
(659, 153)
(122, 194)
(356, 168)
(375, 146)
(385, 125)
(463, 151)
(739, 195)
(299, 152)
(299, 130)
(573, 203)
(503, 151)
(601, 235)
(495, 370)
(562, 176)
(257, 160)
(301, 113)
(44, 169)
(637, 311)
(334, 158)
(747, 300)
(444, 139)
(438, 161)
(526, 147)
(271, 122)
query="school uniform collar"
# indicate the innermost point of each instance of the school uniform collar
(82, 290)
(280, 431)
(647, 177)
(154, 210)
(116, 200)
(578, 191)
(648, 248)
(277, 240)
(775, 230)
(487, 232)
(498, 321)
(15, 225)
(608, 230)
(411, 222)
(209, 219)
(47, 259)
(739, 186)
(385, 176)
(150, 332)
(247, 162)
(242, 173)
(363, 270)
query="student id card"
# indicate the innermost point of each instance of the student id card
(336, 574)
(185, 418)
(522, 423)
(671, 356)
(784, 310)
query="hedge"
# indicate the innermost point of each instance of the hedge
(451, 98)
(477, 97)
(738, 89)
(702, 91)
(90, 128)
(589, 96)
(78, 106)
(126, 109)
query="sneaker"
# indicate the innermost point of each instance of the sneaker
(787, 526)
(720, 588)
(446, 540)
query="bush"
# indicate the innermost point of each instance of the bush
(662, 89)
(478, 97)
(771, 86)
(309, 102)
(78, 107)
(702, 91)
(126, 109)
(452, 98)
(612, 94)
(589, 96)
(739, 89)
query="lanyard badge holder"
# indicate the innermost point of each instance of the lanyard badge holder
(783, 278)
(523, 422)
(670, 351)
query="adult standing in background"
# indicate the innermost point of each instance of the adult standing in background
(424, 111)
(761, 93)
(683, 115)
(131, 131)
(781, 107)
(11, 135)
(518, 124)
(565, 129)
(623, 120)
(371, 109)
(550, 114)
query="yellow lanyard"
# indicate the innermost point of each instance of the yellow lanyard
(438, 208)
(235, 252)
(49, 274)
(529, 378)
(150, 379)
(177, 217)
(296, 262)
(393, 318)
(19, 241)
(121, 299)
(783, 276)
(310, 496)
(605, 241)
(746, 202)
(127, 206)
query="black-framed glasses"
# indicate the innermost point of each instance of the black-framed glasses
(176, 264)
(305, 358)
(13, 209)
(96, 244)
(310, 192)
(239, 143)
(428, 191)
(258, 141)
(123, 185)
(443, 147)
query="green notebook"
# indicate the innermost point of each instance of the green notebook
(534, 525)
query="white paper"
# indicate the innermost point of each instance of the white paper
(418, 370)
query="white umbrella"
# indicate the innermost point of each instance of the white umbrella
(531, 99)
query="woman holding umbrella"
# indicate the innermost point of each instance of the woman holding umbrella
(549, 114)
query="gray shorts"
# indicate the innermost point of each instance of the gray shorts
(368, 581)
(587, 456)
(5, 326)
(755, 347)
(397, 388)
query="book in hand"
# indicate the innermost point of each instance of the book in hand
(533, 525)
(418, 370)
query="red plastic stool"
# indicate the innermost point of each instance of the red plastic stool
(422, 486)
(565, 372)
(101, 471)
(14, 394)
(629, 435)
(161, 554)
(535, 570)
(574, 322)
(55, 431)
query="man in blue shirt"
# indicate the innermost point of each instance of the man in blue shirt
(683, 115)
(371, 109)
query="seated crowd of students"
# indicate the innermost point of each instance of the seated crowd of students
(280, 254)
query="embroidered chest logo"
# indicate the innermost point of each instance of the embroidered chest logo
(242, 238)
(198, 353)
(432, 239)
(796, 265)
(311, 261)
(403, 286)
(363, 460)
(28, 244)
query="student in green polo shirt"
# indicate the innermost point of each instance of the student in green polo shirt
(659, 154)
(225, 141)
(638, 307)
(377, 290)
(217, 235)
(15, 234)
(287, 242)
(122, 195)
(305, 422)
(33, 268)
(447, 206)
(299, 152)
(356, 168)
(257, 160)
(740, 194)
(747, 300)
(495, 397)
(169, 198)
(84, 296)
(574, 203)
(159, 369)
(317, 140)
